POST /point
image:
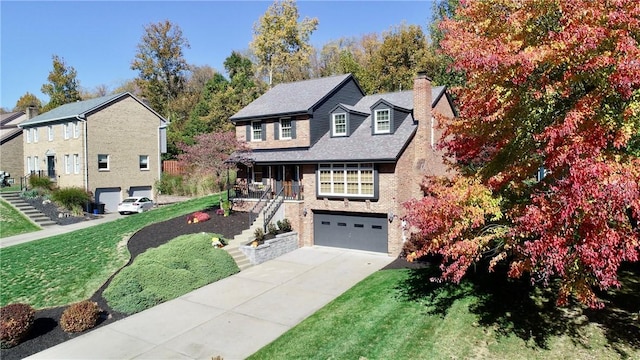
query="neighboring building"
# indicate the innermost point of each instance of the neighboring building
(11, 159)
(344, 162)
(110, 146)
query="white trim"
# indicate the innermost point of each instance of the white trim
(333, 124)
(108, 161)
(140, 163)
(253, 131)
(66, 129)
(76, 129)
(282, 128)
(388, 121)
(340, 183)
(76, 163)
(50, 132)
(35, 135)
(67, 164)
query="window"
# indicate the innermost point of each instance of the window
(29, 165)
(103, 162)
(382, 121)
(28, 132)
(76, 130)
(76, 164)
(36, 166)
(285, 129)
(35, 135)
(67, 164)
(351, 180)
(144, 162)
(256, 131)
(67, 131)
(340, 124)
(50, 128)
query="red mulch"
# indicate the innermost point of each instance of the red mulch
(46, 332)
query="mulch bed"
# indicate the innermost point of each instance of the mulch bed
(46, 332)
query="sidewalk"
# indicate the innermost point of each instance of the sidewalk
(232, 318)
(56, 230)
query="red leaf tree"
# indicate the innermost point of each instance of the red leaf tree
(552, 84)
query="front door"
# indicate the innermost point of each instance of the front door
(51, 166)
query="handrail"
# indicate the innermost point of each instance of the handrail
(271, 209)
(253, 213)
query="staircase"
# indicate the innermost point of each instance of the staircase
(233, 248)
(13, 198)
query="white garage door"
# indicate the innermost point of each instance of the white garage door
(352, 231)
(110, 197)
(141, 191)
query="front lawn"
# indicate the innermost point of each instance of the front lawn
(70, 267)
(13, 221)
(399, 314)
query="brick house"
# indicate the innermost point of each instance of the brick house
(110, 146)
(11, 160)
(343, 161)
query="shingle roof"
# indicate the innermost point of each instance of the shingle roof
(78, 108)
(291, 98)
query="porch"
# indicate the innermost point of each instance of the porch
(265, 181)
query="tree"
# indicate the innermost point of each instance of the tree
(208, 154)
(551, 84)
(281, 43)
(28, 100)
(161, 65)
(438, 64)
(62, 87)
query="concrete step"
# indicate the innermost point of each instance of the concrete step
(26, 209)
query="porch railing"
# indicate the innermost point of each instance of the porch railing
(24, 180)
(260, 204)
(271, 209)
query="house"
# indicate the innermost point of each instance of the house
(110, 146)
(12, 161)
(343, 162)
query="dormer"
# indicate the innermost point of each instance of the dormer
(345, 119)
(386, 117)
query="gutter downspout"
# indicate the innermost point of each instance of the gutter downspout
(82, 118)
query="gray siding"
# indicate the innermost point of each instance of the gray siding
(348, 93)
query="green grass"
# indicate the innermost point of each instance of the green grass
(171, 270)
(70, 267)
(13, 221)
(399, 314)
(10, 188)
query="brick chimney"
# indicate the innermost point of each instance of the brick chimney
(31, 112)
(422, 115)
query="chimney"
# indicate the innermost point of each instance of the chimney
(422, 115)
(31, 112)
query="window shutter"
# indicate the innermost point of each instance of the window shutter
(264, 131)
(276, 128)
(248, 132)
(293, 129)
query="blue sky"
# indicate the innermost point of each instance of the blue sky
(99, 38)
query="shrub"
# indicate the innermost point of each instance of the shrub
(272, 229)
(40, 182)
(284, 225)
(80, 316)
(258, 234)
(169, 271)
(170, 184)
(15, 322)
(70, 197)
(30, 194)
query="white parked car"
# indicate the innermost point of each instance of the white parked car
(135, 205)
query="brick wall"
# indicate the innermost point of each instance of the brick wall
(302, 138)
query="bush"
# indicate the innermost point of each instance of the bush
(160, 274)
(170, 184)
(30, 194)
(272, 229)
(80, 316)
(40, 182)
(15, 322)
(258, 234)
(71, 197)
(284, 225)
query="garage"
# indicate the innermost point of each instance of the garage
(110, 197)
(351, 230)
(143, 191)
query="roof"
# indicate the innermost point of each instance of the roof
(12, 118)
(361, 145)
(292, 98)
(80, 109)
(9, 125)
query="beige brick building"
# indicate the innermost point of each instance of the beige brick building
(110, 146)
(344, 162)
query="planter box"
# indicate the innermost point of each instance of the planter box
(271, 249)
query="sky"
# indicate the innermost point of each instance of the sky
(99, 38)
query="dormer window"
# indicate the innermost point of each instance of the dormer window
(382, 121)
(285, 129)
(339, 124)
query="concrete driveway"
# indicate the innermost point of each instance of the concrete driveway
(233, 317)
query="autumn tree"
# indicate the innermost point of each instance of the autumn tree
(281, 43)
(62, 86)
(436, 63)
(28, 100)
(552, 87)
(162, 68)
